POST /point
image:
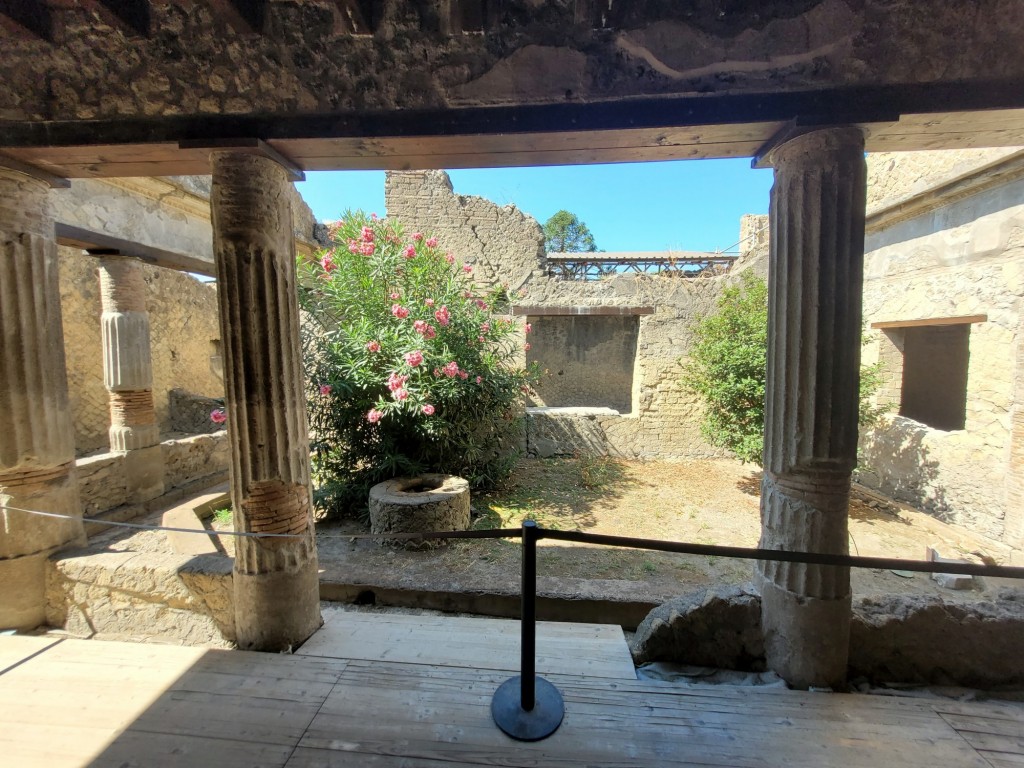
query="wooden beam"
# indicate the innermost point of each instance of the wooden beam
(255, 146)
(540, 311)
(27, 18)
(245, 16)
(55, 182)
(132, 16)
(961, 320)
(96, 243)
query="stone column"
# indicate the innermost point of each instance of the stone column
(810, 447)
(276, 582)
(37, 437)
(128, 376)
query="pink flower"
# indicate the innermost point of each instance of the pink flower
(481, 339)
(325, 389)
(396, 295)
(373, 346)
(373, 415)
(463, 375)
(429, 302)
(431, 242)
(395, 381)
(217, 416)
(414, 358)
(467, 268)
(367, 249)
(479, 379)
(428, 409)
(443, 316)
(529, 327)
(367, 235)
(373, 216)
(449, 258)
(417, 236)
(526, 346)
(480, 304)
(467, 295)
(451, 370)
(410, 252)
(328, 263)
(399, 394)
(399, 311)
(485, 327)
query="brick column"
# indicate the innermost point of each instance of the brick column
(815, 287)
(276, 582)
(128, 375)
(37, 437)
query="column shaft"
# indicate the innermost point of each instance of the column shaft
(128, 375)
(37, 449)
(814, 326)
(276, 582)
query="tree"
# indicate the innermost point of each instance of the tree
(565, 233)
(727, 368)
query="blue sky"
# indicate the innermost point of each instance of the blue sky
(690, 205)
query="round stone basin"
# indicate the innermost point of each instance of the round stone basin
(427, 502)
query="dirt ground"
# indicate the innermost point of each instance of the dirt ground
(708, 502)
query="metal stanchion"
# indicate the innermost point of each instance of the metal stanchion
(527, 707)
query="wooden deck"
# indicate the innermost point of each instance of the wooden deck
(93, 703)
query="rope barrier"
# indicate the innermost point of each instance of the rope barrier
(657, 545)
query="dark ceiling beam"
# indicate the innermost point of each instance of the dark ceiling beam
(132, 16)
(245, 16)
(27, 18)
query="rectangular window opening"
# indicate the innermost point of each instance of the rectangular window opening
(935, 362)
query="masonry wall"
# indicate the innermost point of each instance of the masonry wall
(951, 259)
(656, 418)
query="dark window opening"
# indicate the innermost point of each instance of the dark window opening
(935, 362)
(585, 361)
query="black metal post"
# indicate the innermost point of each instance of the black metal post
(527, 707)
(528, 617)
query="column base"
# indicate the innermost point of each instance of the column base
(23, 597)
(277, 611)
(144, 473)
(806, 639)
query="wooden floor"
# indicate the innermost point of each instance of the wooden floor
(93, 703)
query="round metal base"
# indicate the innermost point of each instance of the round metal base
(540, 722)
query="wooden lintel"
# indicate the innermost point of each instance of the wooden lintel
(245, 16)
(605, 311)
(55, 182)
(253, 146)
(27, 18)
(131, 16)
(99, 244)
(961, 320)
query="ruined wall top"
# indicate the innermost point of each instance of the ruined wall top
(83, 61)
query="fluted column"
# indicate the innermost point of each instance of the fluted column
(37, 437)
(276, 581)
(128, 375)
(814, 326)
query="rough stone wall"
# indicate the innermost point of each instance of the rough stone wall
(503, 244)
(662, 420)
(183, 329)
(304, 60)
(956, 259)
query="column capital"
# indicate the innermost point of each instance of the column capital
(794, 145)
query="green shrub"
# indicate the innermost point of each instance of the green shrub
(727, 368)
(407, 368)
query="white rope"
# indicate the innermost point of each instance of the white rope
(144, 527)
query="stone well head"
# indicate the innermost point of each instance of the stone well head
(419, 504)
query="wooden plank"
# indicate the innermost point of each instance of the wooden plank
(598, 650)
(149, 750)
(16, 649)
(930, 321)
(981, 724)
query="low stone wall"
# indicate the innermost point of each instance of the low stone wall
(188, 460)
(142, 596)
(920, 639)
(568, 432)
